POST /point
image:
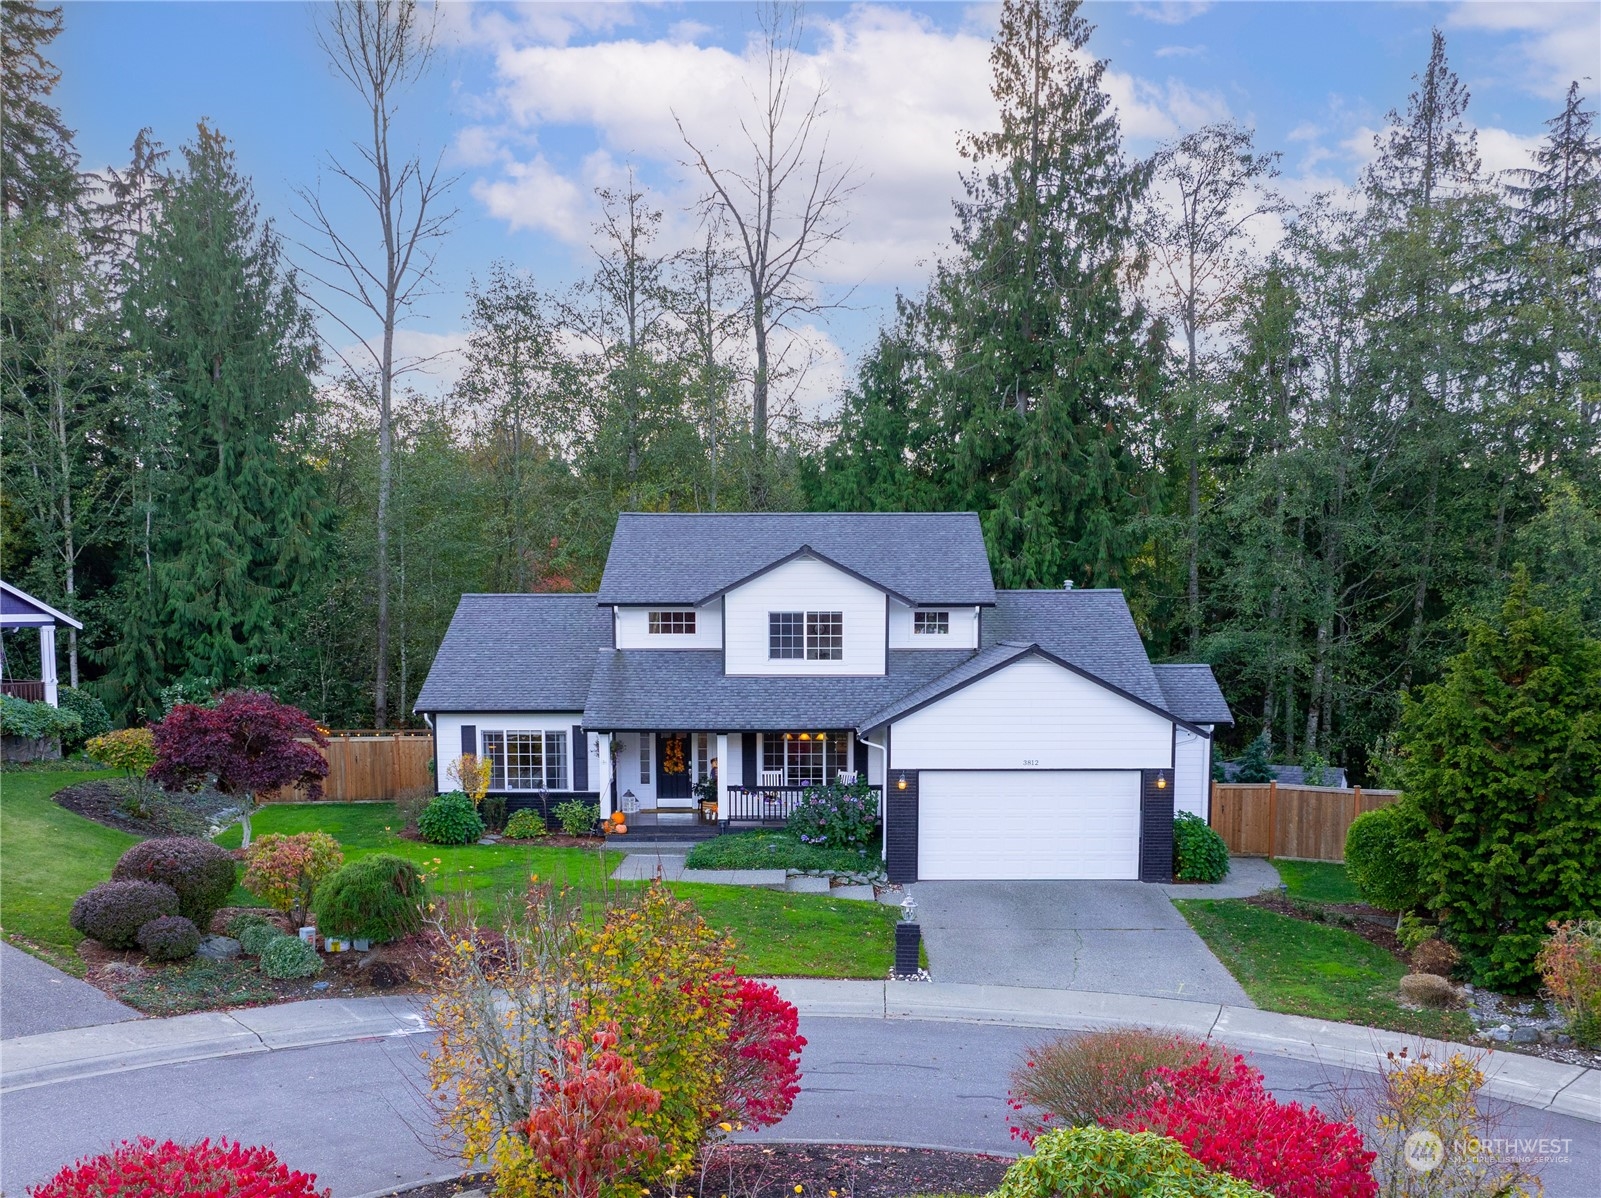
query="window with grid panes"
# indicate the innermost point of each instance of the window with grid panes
(672, 623)
(931, 623)
(527, 760)
(825, 635)
(786, 635)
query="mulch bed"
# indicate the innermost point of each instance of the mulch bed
(170, 815)
(1374, 926)
(775, 1171)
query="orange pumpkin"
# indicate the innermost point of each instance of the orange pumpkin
(617, 817)
(620, 829)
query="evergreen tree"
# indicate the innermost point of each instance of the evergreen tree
(1253, 763)
(237, 527)
(38, 164)
(1504, 762)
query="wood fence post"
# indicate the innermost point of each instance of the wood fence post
(1356, 803)
(1272, 816)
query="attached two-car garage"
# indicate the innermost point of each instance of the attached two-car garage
(1028, 824)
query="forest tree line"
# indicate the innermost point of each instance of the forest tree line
(1303, 464)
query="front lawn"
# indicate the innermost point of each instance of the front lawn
(1313, 969)
(799, 935)
(779, 850)
(48, 857)
(1317, 881)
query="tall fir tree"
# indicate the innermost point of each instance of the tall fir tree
(238, 530)
(38, 163)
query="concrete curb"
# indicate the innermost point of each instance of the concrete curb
(50, 1057)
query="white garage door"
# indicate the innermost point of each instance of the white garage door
(1003, 825)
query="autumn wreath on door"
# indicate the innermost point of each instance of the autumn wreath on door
(673, 757)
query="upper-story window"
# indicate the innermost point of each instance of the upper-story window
(931, 623)
(812, 635)
(672, 623)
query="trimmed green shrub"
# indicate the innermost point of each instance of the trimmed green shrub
(1115, 1164)
(1254, 764)
(835, 816)
(93, 718)
(238, 924)
(492, 810)
(257, 937)
(113, 912)
(526, 824)
(576, 817)
(200, 872)
(169, 938)
(289, 957)
(1502, 757)
(37, 721)
(1383, 851)
(376, 898)
(1199, 854)
(450, 819)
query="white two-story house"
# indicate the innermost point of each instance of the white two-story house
(729, 662)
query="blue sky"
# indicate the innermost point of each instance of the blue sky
(533, 105)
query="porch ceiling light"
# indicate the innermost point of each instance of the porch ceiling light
(806, 736)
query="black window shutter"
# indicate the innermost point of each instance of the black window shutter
(580, 758)
(748, 766)
(469, 739)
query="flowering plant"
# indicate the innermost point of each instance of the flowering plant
(836, 816)
(216, 1170)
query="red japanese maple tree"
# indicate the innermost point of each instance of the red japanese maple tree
(249, 742)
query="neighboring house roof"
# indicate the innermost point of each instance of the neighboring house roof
(517, 653)
(688, 558)
(686, 688)
(1092, 630)
(1293, 775)
(18, 609)
(1193, 693)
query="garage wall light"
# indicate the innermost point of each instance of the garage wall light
(1161, 782)
(901, 783)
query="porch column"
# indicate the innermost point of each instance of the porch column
(603, 773)
(47, 663)
(724, 764)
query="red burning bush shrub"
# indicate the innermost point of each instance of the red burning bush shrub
(1225, 1118)
(761, 1075)
(145, 1169)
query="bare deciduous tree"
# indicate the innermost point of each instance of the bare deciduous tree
(784, 207)
(1214, 179)
(380, 48)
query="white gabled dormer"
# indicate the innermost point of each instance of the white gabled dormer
(949, 627)
(804, 616)
(669, 626)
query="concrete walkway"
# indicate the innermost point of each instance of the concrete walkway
(1247, 878)
(58, 1057)
(642, 867)
(35, 997)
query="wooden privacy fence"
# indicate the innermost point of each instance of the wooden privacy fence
(370, 765)
(1265, 819)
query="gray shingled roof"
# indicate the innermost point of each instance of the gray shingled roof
(1193, 693)
(517, 653)
(935, 557)
(1293, 775)
(686, 688)
(1093, 630)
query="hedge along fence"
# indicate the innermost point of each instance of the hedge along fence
(1265, 819)
(365, 765)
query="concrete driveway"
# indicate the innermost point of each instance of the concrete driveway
(1113, 937)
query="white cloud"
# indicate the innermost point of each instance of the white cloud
(1554, 43)
(552, 22)
(1501, 150)
(534, 195)
(1180, 51)
(1172, 12)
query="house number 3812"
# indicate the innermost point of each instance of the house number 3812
(1031, 761)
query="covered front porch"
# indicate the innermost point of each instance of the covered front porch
(663, 779)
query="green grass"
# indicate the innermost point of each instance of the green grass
(48, 857)
(778, 850)
(1317, 881)
(799, 935)
(1312, 969)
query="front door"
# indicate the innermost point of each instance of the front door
(676, 774)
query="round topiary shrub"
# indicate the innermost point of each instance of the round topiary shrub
(1199, 854)
(93, 718)
(256, 937)
(288, 957)
(526, 824)
(1382, 851)
(113, 912)
(1115, 1164)
(450, 819)
(170, 938)
(240, 923)
(376, 898)
(836, 816)
(200, 872)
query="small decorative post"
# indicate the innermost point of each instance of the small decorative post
(908, 940)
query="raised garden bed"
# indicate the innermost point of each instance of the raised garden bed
(780, 1170)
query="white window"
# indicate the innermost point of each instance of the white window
(931, 623)
(672, 623)
(804, 758)
(813, 635)
(703, 756)
(644, 758)
(527, 760)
